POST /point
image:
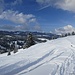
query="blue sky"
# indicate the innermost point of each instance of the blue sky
(36, 15)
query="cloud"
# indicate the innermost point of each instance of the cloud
(14, 27)
(22, 21)
(17, 17)
(4, 5)
(16, 2)
(20, 28)
(7, 27)
(68, 5)
(65, 29)
(37, 27)
(32, 20)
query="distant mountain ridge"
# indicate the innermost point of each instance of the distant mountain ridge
(23, 33)
(8, 37)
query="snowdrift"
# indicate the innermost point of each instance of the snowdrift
(55, 57)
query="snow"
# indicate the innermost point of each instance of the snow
(55, 57)
(43, 39)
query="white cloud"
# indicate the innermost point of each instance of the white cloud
(33, 20)
(62, 4)
(7, 27)
(4, 5)
(65, 29)
(22, 21)
(16, 17)
(67, 5)
(14, 27)
(17, 2)
(37, 27)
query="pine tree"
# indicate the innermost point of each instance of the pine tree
(9, 53)
(68, 34)
(30, 41)
(15, 47)
(73, 33)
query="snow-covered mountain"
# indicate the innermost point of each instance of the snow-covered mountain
(55, 57)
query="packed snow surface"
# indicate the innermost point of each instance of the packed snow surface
(55, 57)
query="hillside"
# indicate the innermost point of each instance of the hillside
(8, 38)
(55, 57)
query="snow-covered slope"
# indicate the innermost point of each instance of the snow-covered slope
(55, 57)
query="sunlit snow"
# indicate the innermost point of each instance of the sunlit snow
(54, 57)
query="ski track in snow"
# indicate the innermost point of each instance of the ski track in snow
(29, 65)
(61, 54)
